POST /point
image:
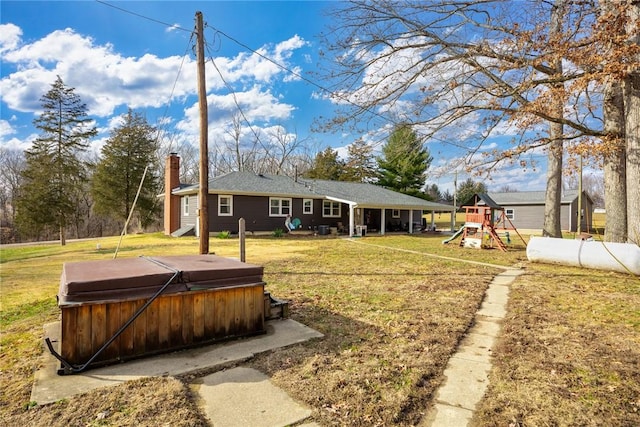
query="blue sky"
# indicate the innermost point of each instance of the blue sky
(116, 60)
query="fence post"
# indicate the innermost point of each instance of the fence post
(241, 235)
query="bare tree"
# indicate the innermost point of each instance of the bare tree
(508, 189)
(12, 163)
(453, 64)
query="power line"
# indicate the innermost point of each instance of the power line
(166, 24)
(175, 83)
(284, 68)
(235, 99)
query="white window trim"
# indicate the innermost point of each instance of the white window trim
(220, 196)
(395, 213)
(332, 202)
(185, 206)
(280, 213)
(513, 213)
(304, 206)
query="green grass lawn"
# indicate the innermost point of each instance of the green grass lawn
(392, 314)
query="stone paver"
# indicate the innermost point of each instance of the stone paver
(467, 373)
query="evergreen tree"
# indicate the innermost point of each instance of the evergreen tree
(433, 193)
(360, 164)
(447, 197)
(54, 172)
(128, 151)
(467, 189)
(404, 162)
(326, 166)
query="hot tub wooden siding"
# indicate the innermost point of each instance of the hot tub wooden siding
(173, 321)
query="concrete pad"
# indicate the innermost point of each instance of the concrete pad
(476, 347)
(466, 383)
(246, 397)
(486, 326)
(497, 294)
(447, 416)
(495, 310)
(49, 387)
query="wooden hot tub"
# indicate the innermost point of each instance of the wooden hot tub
(179, 301)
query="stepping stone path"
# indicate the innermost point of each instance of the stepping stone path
(467, 374)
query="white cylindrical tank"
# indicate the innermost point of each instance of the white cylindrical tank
(585, 253)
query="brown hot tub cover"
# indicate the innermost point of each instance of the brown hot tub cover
(136, 278)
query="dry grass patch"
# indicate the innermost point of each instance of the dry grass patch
(569, 354)
(148, 402)
(391, 319)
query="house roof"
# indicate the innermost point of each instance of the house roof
(370, 195)
(531, 197)
(248, 183)
(360, 194)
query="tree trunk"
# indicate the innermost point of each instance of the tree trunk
(553, 195)
(63, 237)
(615, 196)
(631, 89)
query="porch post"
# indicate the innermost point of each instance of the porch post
(433, 219)
(352, 220)
(410, 221)
(383, 222)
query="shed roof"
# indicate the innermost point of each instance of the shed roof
(530, 197)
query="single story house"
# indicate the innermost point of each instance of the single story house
(264, 201)
(525, 209)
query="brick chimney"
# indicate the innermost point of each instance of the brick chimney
(171, 201)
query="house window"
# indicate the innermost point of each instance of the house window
(279, 207)
(510, 213)
(330, 209)
(185, 206)
(225, 205)
(307, 206)
(395, 213)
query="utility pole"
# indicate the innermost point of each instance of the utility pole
(455, 202)
(579, 226)
(203, 205)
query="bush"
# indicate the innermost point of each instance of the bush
(224, 235)
(278, 232)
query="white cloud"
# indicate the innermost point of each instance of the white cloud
(10, 35)
(107, 81)
(102, 78)
(6, 128)
(172, 28)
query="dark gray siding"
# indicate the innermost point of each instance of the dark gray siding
(255, 211)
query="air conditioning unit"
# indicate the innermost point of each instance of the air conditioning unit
(361, 230)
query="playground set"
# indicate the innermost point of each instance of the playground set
(483, 224)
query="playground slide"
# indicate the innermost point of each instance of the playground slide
(455, 235)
